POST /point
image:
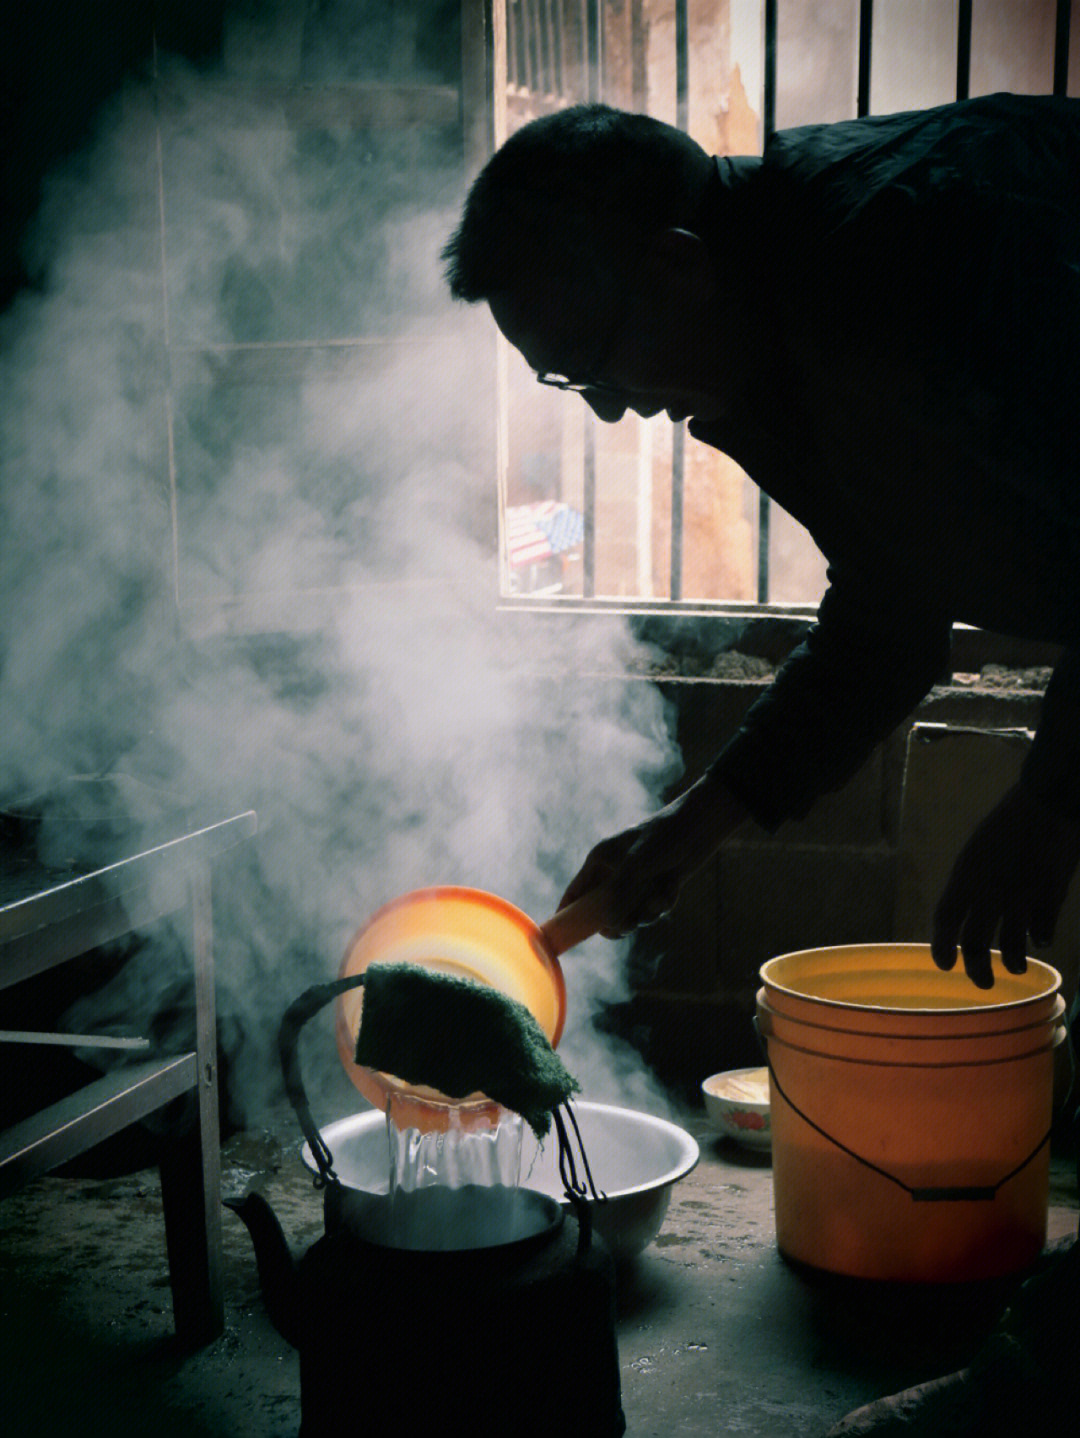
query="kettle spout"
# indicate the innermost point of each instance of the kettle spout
(275, 1263)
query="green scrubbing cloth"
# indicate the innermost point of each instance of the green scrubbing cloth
(460, 1037)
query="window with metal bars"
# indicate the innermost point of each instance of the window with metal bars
(637, 514)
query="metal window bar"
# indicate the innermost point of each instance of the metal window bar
(555, 43)
(768, 112)
(547, 50)
(593, 40)
(678, 436)
(866, 32)
(515, 34)
(531, 49)
(963, 49)
(539, 46)
(1061, 47)
(520, 45)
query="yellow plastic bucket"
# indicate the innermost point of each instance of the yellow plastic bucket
(910, 1112)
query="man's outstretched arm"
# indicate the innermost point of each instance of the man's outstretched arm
(835, 698)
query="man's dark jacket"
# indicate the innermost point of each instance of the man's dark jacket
(904, 322)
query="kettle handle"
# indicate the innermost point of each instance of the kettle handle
(296, 1016)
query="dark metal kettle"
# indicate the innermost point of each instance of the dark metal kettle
(517, 1334)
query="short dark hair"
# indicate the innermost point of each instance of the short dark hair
(585, 184)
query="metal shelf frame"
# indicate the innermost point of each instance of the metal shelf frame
(47, 919)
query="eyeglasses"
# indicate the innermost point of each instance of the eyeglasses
(558, 381)
(594, 386)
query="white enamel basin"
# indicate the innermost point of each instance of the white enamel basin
(635, 1160)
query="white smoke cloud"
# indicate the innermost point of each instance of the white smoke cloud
(411, 736)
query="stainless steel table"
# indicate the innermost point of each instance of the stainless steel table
(48, 917)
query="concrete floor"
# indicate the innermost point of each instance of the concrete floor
(716, 1333)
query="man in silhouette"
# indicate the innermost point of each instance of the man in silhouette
(879, 320)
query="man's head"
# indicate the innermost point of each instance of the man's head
(587, 235)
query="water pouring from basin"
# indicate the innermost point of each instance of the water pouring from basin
(454, 1187)
(453, 1156)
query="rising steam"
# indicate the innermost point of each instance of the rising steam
(288, 604)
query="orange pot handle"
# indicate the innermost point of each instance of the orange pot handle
(575, 923)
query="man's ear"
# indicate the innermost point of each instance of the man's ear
(680, 247)
(684, 259)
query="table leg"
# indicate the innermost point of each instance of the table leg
(191, 1163)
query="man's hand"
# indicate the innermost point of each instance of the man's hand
(643, 868)
(1010, 881)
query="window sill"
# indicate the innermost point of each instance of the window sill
(751, 642)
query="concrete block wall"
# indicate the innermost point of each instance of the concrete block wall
(832, 878)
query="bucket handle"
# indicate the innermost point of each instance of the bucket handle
(958, 1193)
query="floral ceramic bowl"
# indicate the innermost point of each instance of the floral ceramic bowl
(737, 1103)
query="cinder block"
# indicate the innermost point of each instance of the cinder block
(759, 900)
(709, 711)
(709, 714)
(774, 900)
(981, 708)
(953, 777)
